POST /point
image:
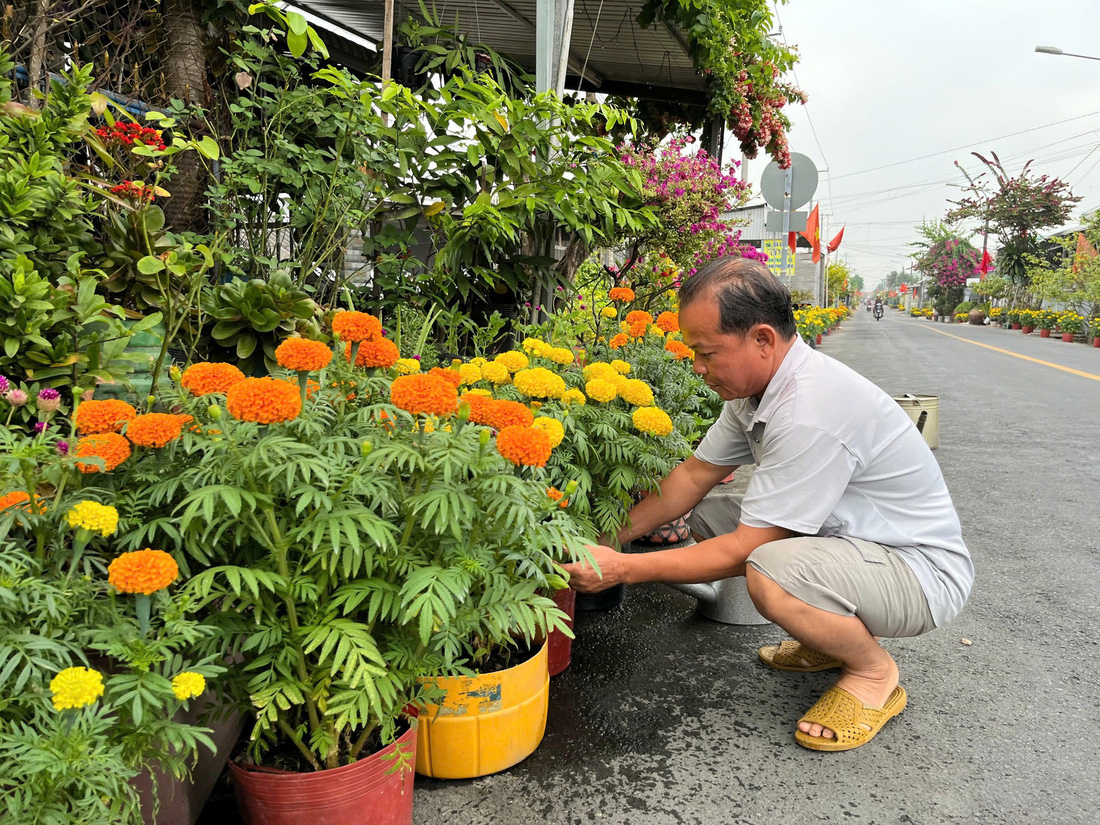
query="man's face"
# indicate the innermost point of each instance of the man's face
(732, 366)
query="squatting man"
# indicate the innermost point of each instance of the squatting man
(846, 533)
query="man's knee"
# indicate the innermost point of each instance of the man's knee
(714, 516)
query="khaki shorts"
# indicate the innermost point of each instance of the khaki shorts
(850, 577)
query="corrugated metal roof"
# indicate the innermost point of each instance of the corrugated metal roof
(616, 53)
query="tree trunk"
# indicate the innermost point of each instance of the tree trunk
(38, 52)
(185, 79)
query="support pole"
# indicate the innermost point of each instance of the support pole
(787, 180)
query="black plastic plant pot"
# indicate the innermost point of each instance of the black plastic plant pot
(604, 600)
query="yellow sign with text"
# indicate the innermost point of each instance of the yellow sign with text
(773, 248)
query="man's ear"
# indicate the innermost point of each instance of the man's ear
(765, 337)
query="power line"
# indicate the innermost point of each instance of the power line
(965, 146)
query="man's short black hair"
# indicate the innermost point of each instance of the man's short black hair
(747, 293)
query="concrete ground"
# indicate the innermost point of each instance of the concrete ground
(664, 717)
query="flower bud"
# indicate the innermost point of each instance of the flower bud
(365, 448)
(484, 438)
(571, 488)
(150, 400)
(16, 397)
(175, 373)
(215, 411)
(464, 412)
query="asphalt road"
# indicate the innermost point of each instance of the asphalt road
(664, 717)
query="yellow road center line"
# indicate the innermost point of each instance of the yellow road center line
(1082, 373)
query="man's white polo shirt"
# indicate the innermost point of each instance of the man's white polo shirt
(836, 456)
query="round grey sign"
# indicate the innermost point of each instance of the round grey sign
(803, 182)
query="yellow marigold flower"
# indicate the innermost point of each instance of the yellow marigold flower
(19, 497)
(573, 397)
(524, 446)
(154, 429)
(496, 372)
(618, 341)
(93, 517)
(203, 379)
(600, 389)
(188, 685)
(621, 367)
(470, 373)
(429, 426)
(637, 392)
(478, 362)
(539, 382)
(652, 420)
(656, 333)
(379, 352)
(75, 687)
(552, 427)
(302, 355)
(621, 294)
(561, 355)
(356, 326)
(513, 360)
(536, 347)
(264, 400)
(609, 312)
(680, 350)
(479, 392)
(424, 394)
(407, 366)
(598, 369)
(668, 322)
(142, 571)
(108, 416)
(111, 447)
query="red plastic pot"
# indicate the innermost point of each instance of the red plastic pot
(364, 793)
(1067, 337)
(1027, 330)
(1015, 326)
(1044, 333)
(559, 646)
(1096, 342)
(819, 339)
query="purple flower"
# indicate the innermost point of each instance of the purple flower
(49, 400)
(41, 427)
(417, 357)
(48, 394)
(62, 447)
(5, 385)
(16, 397)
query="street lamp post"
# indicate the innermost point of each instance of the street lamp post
(1056, 51)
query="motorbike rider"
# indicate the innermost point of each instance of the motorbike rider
(878, 306)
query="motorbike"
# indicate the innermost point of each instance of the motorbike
(878, 312)
(868, 307)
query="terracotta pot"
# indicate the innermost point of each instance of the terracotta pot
(1067, 337)
(560, 646)
(363, 792)
(1015, 326)
(1027, 330)
(1044, 333)
(819, 339)
(1096, 342)
(486, 723)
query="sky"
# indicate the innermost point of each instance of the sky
(891, 81)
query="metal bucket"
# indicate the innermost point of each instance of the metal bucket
(925, 412)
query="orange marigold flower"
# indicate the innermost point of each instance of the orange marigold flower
(680, 350)
(154, 429)
(375, 353)
(637, 329)
(203, 379)
(111, 447)
(479, 406)
(454, 376)
(356, 326)
(264, 400)
(668, 322)
(619, 340)
(424, 394)
(621, 294)
(302, 355)
(107, 416)
(19, 497)
(524, 446)
(143, 571)
(501, 413)
(557, 495)
(188, 421)
(639, 316)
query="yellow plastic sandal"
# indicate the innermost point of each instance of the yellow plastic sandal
(794, 656)
(845, 716)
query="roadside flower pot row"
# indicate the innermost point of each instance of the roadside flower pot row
(815, 322)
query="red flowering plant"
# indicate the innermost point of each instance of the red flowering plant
(349, 532)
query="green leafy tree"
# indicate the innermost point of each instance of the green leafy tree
(1075, 278)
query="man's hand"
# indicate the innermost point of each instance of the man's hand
(584, 579)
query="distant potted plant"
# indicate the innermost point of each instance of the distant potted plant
(1045, 320)
(1071, 324)
(1094, 331)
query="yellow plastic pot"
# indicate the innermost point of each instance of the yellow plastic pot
(486, 723)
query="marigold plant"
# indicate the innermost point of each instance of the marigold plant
(154, 429)
(470, 373)
(111, 447)
(618, 341)
(680, 350)
(353, 327)
(451, 376)
(513, 360)
(16, 498)
(381, 352)
(303, 355)
(668, 322)
(142, 571)
(501, 413)
(561, 355)
(639, 316)
(188, 685)
(621, 294)
(264, 400)
(609, 312)
(652, 420)
(76, 687)
(538, 382)
(424, 394)
(621, 367)
(573, 396)
(552, 427)
(206, 378)
(600, 389)
(407, 366)
(108, 416)
(496, 373)
(637, 392)
(93, 517)
(524, 446)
